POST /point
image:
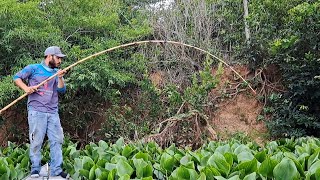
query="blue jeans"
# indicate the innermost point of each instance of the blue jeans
(40, 124)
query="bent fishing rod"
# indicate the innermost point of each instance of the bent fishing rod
(127, 45)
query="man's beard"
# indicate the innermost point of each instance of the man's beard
(52, 64)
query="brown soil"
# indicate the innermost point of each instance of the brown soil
(238, 113)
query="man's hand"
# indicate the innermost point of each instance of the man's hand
(24, 87)
(30, 90)
(61, 73)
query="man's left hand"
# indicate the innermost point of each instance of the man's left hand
(61, 73)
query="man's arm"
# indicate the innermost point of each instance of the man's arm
(24, 74)
(24, 87)
(61, 84)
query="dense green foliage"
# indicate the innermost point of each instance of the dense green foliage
(288, 32)
(232, 159)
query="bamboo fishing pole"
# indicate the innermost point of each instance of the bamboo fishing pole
(127, 45)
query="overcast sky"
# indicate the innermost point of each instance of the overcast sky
(162, 4)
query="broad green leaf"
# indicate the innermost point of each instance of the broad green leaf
(98, 173)
(236, 177)
(103, 144)
(120, 142)
(241, 148)
(112, 174)
(290, 155)
(277, 156)
(124, 168)
(212, 146)
(67, 151)
(223, 149)
(148, 170)
(87, 163)
(13, 172)
(159, 174)
(88, 150)
(302, 159)
(92, 172)
(218, 161)
(299, 167)
(110, 166)
(195, 156)
(147, 178)
(234, 146)
(4, 177)
(210, 172)
(25, 162)
(237, 173)
(307, 148)
(74, 153)
(98, 153)
(193, 174)
(301, 150)
(317, 174)
(139, 164)
(229, 157)
(127, 151)
(180, 173)
(286, 169)
(124, 177)
(251, 176)
(170, 150)
(245, 156)
(20, 175)
(117, 158)
(101, 163)
(10, 161)
(185, 160)
(167, 162)
(103, 175)
(77, 164)
(204, 160)
(177, 156)
(267, 166)
(202, 177)
(313, 158)
(3, 169)
(84, 173)
(272, 146)
(141, 155)
(314, 167)
(184, 173)
(261, 156)
(248, 166)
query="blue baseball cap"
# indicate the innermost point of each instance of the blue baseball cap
(54, 50)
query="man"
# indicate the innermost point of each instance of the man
(43, 117)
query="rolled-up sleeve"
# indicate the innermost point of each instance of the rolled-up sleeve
(62, 90)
